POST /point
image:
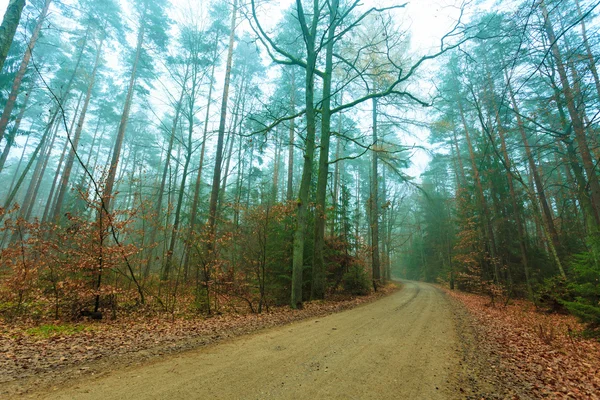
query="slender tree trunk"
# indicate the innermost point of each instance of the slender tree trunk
(374, 204)
(318, 272)
(32, 158)
(578, 127)
(197, 187)
(486, 226)
(175, 230)
(14, 92)
(276, 162)
(290, 167)
(309, 152)
(11, 137)
(214, 195)
(39, 179)
(9, 26)
(231, 140)
(588, 50)
(12, 183)
(541, 192)
(336, 173)
(114, 164)
(515, 208)
(74, 141)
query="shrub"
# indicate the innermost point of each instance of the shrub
(585, 286)
(356, 281)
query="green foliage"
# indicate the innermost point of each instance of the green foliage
(46, 331)
(585, 286)
(356, 281)
(552, 294)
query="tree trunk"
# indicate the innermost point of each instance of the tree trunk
(14, 92)
(578, 127)
(9, 26)
(541, 191)
(309, 152)
(374, 203)
(116, 154)
(197, 187)
(32, 158)
(318, 271)
(486, 227)
(514, 203)
(175, 229)
(214, 195)
(10, 138)
(290, 167)
(588, 50)
(74, 140)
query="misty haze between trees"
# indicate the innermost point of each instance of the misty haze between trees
(158, 158)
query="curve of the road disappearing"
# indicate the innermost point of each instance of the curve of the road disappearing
(404, 346)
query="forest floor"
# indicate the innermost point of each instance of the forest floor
(415, 343)
(47, 356)
(418, 342)
(531, 354)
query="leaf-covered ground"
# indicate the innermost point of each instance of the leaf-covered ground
(540, 355)
(51, 354)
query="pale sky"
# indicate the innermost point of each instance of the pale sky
(427, 21)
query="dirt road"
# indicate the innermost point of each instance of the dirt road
(404, 346)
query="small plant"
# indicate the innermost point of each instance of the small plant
(46, 331)
(546, 333)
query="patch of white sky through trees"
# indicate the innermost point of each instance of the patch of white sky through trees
(424, 21)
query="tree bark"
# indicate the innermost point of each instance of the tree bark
(290, 166)
(74, 142)
(14, 91)
(10, 138)
(578, 126)
(374, 204)
(318, 271)
(214, 195)
(116, 154)
(309, 34)
(9, 26)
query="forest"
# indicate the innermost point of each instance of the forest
(209, 156)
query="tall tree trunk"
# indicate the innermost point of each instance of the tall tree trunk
(216, 182)
(541, 191)
(513, 199)
(74, 141)
(32, 158)
(588, 50)
(290, 168)
(576, 120)
(276, 162)
(197, 186)
(309, 35)
(11, 137)
(318, 271)
(16, 173)
(9, 26)
(116, 154)
(14, 92)
(175, 230)
(237, 116)
(374, 204)
(486, 226)
(161, 189)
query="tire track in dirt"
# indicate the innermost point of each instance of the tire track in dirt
(404, 346)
